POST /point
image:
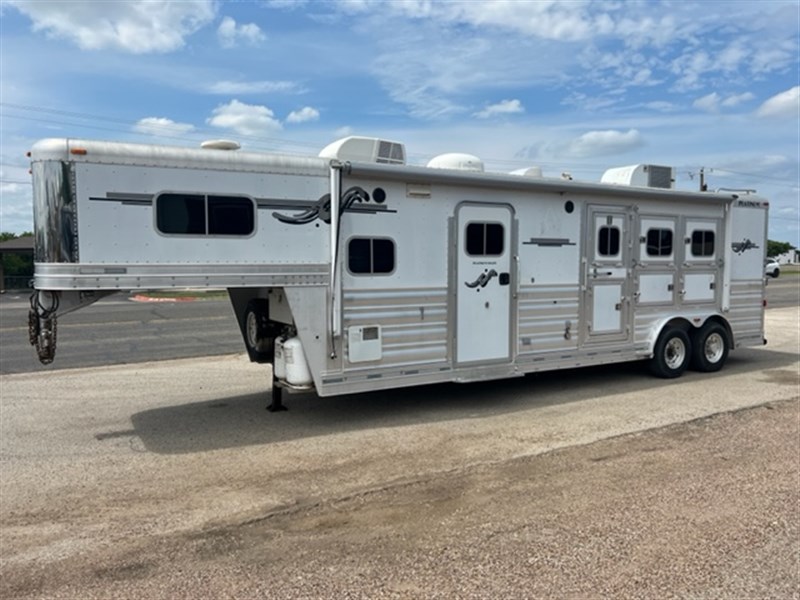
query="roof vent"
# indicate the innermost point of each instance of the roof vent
(220, 145)
(364, 149)
(458, 161)
(652, 176)
(529, 172)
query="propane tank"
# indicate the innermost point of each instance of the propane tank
(279, 363)
(296, 365)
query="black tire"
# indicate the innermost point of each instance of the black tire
(776, 273)
(672, 353)
(255, 331)
(710, 348)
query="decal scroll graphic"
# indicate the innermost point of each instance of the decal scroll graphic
(743, 246)
(482, 280)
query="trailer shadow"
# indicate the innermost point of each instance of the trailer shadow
(230, 422)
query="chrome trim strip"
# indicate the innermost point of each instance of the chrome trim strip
(59, 276)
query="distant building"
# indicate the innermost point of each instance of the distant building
(792, 257)
(21, 246)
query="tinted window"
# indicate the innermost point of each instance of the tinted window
(659, 242)
(196, 214)
(608, 241)
(703, 243)
(369, 256)
(181, 214)
(230, 216)
(484, 239)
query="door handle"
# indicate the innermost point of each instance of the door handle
(505, 278)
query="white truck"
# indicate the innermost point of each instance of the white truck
(352, 271)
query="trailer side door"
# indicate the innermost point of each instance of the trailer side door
(608, 275)
(483, 283)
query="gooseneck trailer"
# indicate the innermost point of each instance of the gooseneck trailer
(353, 271)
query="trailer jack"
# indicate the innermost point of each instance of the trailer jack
(277, 398)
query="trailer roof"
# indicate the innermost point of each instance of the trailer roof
(426, 175)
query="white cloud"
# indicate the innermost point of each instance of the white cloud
(162, 126)
(136, 26)
(713, 102)
(603, 143)
(232, 88)
(244, 119)
(737, 99)
(709, 103)
(303, 115)
(230, 34)
(783, 105)
(505, 107)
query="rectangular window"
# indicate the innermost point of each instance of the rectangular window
(659, 242)
(608, 241)
(197, 214)
(703, 243)
(485, 239)
(370, 256)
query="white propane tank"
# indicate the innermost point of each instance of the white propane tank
(279, 363)
(297, 371)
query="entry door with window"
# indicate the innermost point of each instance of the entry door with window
(608, 276)
(483, 283)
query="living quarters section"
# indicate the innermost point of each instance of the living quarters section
(150, 217)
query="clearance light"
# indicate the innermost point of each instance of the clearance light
(78, 151)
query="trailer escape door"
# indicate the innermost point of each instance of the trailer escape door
(608, 275)
(483, 283)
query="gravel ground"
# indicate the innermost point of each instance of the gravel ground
(706, 509)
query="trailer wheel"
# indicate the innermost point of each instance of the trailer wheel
(256, 331)
(672, 353)
(710, 348)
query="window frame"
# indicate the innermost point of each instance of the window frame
(705, 232)
(206, 215)
(660, 231)
(485, 225)
(372, 240)
(616, 255)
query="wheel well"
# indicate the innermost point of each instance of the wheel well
(725, 325)
(684, 324)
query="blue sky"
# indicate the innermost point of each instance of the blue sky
(574, 86)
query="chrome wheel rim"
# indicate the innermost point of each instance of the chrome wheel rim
(675, 353)
(714, 347)
(252, 330)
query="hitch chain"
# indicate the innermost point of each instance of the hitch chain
(42, 326)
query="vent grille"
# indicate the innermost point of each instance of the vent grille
(659, 177)
(390, 153)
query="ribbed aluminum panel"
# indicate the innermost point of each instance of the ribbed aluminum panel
(413, 323)
(746, 315)
(548, 318)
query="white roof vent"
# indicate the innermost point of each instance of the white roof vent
(458, 161)
(529, 172)
(652, 176)
(220, 145)
(364, 149)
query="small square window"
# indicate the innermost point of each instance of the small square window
(370, 256)
(608, 241)
(703, 243)
(485, 239)
(659, 242)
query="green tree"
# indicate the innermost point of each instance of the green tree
(775, 248)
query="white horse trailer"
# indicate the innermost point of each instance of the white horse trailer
(412, 275)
